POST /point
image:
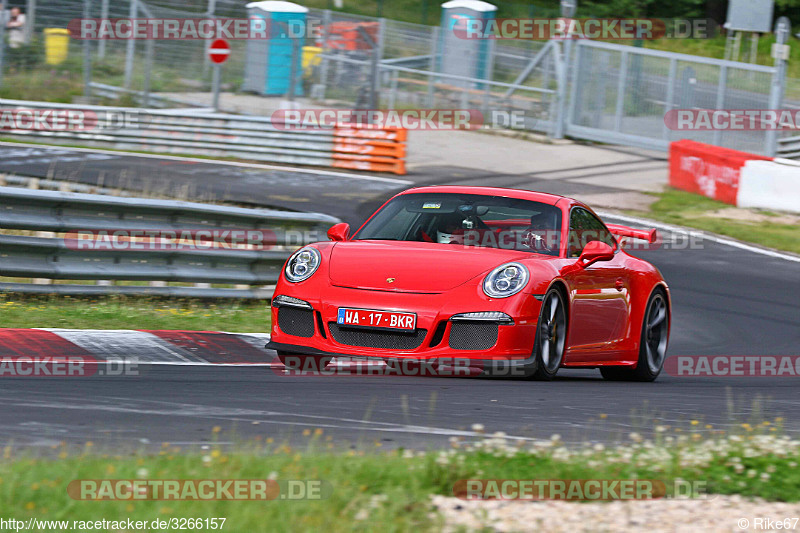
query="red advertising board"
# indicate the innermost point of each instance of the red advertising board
(709, 170)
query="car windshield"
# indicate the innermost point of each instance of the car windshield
(468, 220)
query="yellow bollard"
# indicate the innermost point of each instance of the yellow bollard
(311, 58)
(56, 45)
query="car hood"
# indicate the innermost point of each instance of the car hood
(412, 266)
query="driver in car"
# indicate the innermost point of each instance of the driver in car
(541, 235)
(450, 229)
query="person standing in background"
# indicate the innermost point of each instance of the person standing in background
(16, 28)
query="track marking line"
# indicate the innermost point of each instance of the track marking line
(705, 235)
(249, 415)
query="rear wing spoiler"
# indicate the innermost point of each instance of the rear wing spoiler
(649, 235)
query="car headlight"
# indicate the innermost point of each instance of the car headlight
(506, 280)
(302, 264)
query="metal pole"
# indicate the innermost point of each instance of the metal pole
(147, 73)
(434, 65)
(573, 64)
(560, 65)
(131, 49)
(215, 83)
(754, 47)
(393, 91)
(668, 105)
(30, 20)
(2, 38)
(623, 78)
(377, 55)
(729, 44)
(101, 46)
(87, 54)
(737, 44)
(323, 68)
(212, 6)
(782, 29)
(722, 87)
(293, 69)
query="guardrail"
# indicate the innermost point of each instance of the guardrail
(57, 253)
(197, 132)
(145, 99)
(789, 147)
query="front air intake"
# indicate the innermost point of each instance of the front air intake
(295, 321)
(473, 335)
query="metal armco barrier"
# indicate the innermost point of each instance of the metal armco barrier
(184, 131)
(51, 257)
(146, 100)
(789, 147)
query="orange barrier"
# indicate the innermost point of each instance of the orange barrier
(347, 35)
(365, 148)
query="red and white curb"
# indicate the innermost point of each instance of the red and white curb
(156, 346)
(152, 347)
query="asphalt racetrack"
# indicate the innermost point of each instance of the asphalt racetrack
(727, 300)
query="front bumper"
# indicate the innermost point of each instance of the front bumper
(313, 330)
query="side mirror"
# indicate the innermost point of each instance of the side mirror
(340, 232)
(595, 251)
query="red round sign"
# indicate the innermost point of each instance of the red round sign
(219, 51)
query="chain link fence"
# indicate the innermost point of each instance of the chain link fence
(621, 94)
(585, 89)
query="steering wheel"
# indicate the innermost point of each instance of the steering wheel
(536, 239)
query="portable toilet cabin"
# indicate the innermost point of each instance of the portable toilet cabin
(458, 54)
(268, 62)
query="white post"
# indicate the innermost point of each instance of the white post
(101, 46)
(215, 87)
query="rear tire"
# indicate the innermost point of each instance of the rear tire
(652, 344)
(303, 363)
(551, 336)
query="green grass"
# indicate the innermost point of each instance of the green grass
(693, 210)
(121, 312)
(391, 490)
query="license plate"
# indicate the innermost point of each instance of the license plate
(370, 318)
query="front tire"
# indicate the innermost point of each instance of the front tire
(652, 345)
(551, 336)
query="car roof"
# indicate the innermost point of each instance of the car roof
(543, 197)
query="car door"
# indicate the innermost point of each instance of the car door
(599, 292)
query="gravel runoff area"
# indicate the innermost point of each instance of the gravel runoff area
(714, 514)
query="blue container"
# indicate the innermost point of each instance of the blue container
(464, 57)
(268, 64)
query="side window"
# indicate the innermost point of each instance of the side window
(584, 228)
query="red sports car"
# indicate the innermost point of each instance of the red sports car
(504, 279)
